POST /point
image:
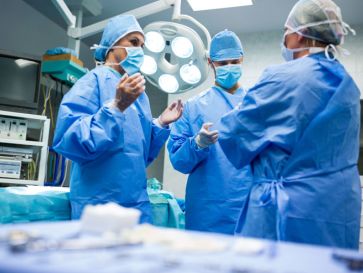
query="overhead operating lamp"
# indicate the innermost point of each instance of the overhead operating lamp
(175, 55)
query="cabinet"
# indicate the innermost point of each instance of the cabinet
(24, 141)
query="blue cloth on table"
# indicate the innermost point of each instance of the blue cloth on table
(277, 257)
(28, 204)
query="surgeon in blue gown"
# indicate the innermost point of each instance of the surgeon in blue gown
(298, 128)
(216, 189)
(105, 125)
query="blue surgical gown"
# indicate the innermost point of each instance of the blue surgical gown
(298, 128)
(110, 149)
(215, 189)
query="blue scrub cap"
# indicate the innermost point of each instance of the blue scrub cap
(117, 28)
(225, 45)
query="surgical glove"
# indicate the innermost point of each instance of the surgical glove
(128, 90)
(205, 137)
(171, 114)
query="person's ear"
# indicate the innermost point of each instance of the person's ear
(300, 39)
(107, 57)
(210, 62)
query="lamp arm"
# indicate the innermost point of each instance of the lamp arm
(200, 25)
(65, 12)
(178, 16)
(149, 9)
(80, 33)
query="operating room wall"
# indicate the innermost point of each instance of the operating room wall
(354, 61)
(261, 50)
(25, 30)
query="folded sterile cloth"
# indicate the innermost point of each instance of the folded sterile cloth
(109, 217)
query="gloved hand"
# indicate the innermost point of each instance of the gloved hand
(128, 90)
(205, 137)
(171, 114)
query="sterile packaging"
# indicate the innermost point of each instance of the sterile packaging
(109, 217)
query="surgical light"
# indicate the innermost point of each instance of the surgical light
(149, 65)
(178, 64)
(168, 83)
(217, 4)
(154, 41)
(190, 73)
(175, 55)
(182, 47)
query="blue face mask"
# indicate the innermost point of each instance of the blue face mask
(133, 61)
(228, 75)
(288, 53)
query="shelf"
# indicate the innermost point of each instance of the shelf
(34, 122)
(20, 181)
(22, 142)
(18, 103)
(22, 115)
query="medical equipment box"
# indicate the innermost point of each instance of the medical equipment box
(10, 168)
(64, 67)
(13, 128)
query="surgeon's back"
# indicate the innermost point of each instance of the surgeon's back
(299, 129)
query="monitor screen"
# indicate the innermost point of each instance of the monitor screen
(19, 81)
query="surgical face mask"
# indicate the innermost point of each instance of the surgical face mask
(288, 54)
(133, 61)
(228, 75)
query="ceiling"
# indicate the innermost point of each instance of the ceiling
(264, 15)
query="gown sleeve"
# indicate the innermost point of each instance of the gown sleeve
(184, 153)
(266, 116)
(85, 129)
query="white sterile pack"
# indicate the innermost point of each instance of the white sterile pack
(109, 217)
